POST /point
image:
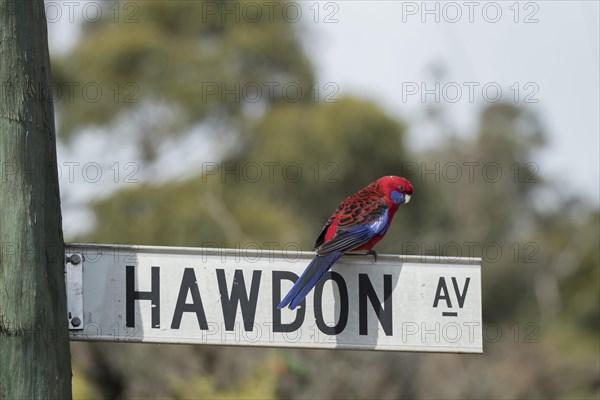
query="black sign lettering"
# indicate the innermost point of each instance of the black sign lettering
(384, 314)
(441, 287)
(277, 277)
(238, 296)
(189, 284)
(441, 293)
(341, 324)
(131, 295)
(460, 296)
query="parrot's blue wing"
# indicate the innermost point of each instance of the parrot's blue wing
(351, 237)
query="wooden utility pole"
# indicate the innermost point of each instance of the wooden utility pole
(34, 341)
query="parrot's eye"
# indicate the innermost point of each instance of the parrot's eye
(401, 187)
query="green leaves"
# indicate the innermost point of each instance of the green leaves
(183, 55)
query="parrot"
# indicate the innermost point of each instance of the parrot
(357, 224)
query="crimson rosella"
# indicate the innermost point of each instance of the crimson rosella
(358, 223)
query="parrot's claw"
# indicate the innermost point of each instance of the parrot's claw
(359, 253)
(373, 253)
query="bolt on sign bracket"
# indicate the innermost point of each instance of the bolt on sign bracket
(74, 285)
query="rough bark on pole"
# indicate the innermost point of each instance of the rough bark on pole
(34, 342)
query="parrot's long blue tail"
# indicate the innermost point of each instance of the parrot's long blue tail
(309, 278)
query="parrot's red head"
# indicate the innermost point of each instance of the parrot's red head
(397, 188)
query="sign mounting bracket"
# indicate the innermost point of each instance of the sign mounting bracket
(74, 286)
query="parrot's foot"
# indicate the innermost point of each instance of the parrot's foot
(373, 253)
(360, 253)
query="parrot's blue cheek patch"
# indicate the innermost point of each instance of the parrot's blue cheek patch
(396, 197)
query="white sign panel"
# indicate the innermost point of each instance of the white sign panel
(230, 297)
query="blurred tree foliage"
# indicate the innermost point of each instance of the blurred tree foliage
(165, 67)
(292, 163)
(282, 184)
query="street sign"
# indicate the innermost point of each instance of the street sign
(230, 297)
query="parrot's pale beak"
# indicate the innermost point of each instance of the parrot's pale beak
(406, 198)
